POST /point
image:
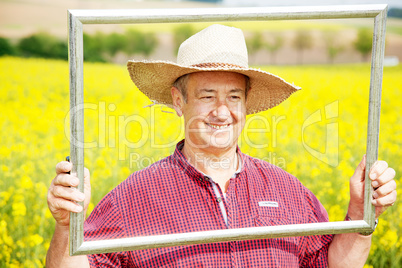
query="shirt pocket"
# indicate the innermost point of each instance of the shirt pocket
(270, 216)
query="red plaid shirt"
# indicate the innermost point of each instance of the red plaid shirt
(171, 196)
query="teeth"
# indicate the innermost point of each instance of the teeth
(218, 126)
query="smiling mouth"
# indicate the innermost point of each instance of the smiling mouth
(218, 127)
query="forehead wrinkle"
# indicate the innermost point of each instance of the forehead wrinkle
(210, 90)
(207, 90)
(235, 90)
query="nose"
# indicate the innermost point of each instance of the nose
(221, 112)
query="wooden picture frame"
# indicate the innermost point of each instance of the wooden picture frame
(76, 19)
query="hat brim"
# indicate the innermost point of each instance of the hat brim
(155, 79)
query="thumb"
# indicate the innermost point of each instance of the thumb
(359, 174)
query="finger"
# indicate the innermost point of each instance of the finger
(385, 189)
(385, 177)
(58, 204)
(358, 175)
(86, 173)
(67, 193)
(377, 169)
(66, 180)
(385, 201)
(63, 167)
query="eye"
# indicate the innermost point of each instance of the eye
(234, 98)
(207, 98)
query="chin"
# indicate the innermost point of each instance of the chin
(213, 140)
(221, 143)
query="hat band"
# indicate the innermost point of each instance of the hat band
(217, 65)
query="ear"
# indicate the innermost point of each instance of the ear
(178, 101)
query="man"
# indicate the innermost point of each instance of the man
(208, 183)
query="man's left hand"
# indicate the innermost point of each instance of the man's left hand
(382, 180)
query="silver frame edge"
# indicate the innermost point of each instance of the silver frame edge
(78, 17)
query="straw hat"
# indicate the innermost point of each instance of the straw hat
(216, 48)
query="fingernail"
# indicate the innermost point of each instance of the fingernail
(374, 202)
(373, 176)
(375, 195)
(78, 209)
(374, 184)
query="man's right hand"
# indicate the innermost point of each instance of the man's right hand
(62, 195)
(61, 199)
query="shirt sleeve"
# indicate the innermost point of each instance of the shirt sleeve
(316, 246)
(105, 222)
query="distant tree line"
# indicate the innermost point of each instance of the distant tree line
(37, 45)
(98, 47)
(304, 40)
(395, 12)
(102, 47)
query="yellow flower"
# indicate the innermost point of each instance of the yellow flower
(26, 182)
(389, 239)
(48, 214)
(4, 168)
(4, 197)
(315, 172)
(15, 264)
(30, 148)
(35, 240)
(19, 209)
(6, 239)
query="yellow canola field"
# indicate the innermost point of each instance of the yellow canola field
(318, 135)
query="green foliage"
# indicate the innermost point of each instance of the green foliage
(255, 43)
(274, 44)
(5, 47)
(133, 41)
(302, 41)
(180, 34)
(43, 45)
(114, 43)
(98, 47)
(140, 43)
(395, 12)
(333, 48)
(364, 42)
(150, 42)
(94, 47)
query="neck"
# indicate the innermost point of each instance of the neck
(220, 164)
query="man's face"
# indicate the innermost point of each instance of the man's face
(215, 111)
